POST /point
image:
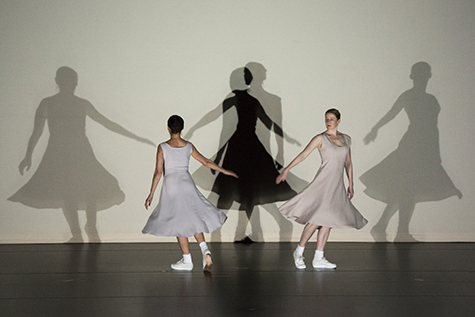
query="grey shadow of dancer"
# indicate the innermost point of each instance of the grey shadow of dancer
(242, 151)
(69, 176)
(412, 173)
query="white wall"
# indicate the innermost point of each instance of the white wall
(141, 61)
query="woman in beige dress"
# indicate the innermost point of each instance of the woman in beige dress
(324, 203)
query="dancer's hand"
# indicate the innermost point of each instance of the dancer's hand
(281, 177)
(148, 201)
(351, 192)
(26, 163)
(230, 173)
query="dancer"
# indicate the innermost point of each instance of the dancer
(413, 172)
(324, 203)
(182, 210)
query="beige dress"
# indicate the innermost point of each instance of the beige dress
(324, 201)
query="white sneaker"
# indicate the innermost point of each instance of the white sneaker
(323, 264)
(299, 261)
(207, 265)
(182, 266)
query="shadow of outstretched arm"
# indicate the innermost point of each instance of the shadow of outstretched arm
(211, 116)
(262, 115)
(114, 127)
(390, 115)
(40, 119)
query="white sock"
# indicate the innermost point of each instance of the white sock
(299, 250)
(187, 258)
(204, 247)
(318, 255)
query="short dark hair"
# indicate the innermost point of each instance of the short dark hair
(335, 112)
(175, 123)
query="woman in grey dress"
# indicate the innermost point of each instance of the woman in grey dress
(324, 203)
(182, 210)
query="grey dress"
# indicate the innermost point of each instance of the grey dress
(324, 201)
(182, 210)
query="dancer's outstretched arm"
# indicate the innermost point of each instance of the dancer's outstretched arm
(312, 145)
(209, 163)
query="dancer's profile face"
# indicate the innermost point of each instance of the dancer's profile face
(331, 122)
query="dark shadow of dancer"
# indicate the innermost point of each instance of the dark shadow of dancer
(413, 172)
(246, 154)
(69, 176)
(273, 107)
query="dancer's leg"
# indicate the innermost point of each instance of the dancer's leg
(185, 264)
(200, 237)
(307, 233)
(319, 261)
(183, 242)
(322, 237)
(207, 261)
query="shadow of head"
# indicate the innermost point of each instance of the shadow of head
(66, 79)
(421, 71)
(240, 79)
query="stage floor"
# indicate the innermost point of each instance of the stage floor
(259, 279)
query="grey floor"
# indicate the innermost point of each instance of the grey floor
(372, 279)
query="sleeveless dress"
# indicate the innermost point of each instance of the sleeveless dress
(324, 201)
(182, 210)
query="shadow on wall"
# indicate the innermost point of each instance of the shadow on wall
(69, 176)
(244, 153)
(413, 172)
(273, 107)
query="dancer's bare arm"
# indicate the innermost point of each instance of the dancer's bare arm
(312, 145)
(209, 163)
(157, 174)
(349, 173)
